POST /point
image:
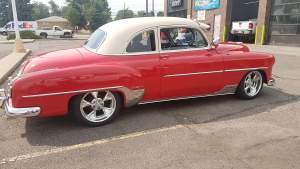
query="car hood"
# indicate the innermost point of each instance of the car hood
(232, 46)
(53, 60)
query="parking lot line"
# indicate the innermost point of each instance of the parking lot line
(87, 144)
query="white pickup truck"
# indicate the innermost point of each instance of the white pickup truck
(244, 31)
(244, 27)
(54, 31)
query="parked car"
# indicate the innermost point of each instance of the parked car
(54, 31)
(244, 30)
(148, 60)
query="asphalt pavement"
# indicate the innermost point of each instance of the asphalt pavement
(206, 133)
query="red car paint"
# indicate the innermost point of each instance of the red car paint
(80, 69)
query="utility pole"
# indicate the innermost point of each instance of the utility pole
(124, 10)
(147, 11)
(153, 7)
(19, 47)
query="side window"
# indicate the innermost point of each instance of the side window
(181, 38)
(143, 42)
(57, 29)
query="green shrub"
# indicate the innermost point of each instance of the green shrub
(24, 35)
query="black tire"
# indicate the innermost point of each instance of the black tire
(44, 35)
(67, 35)
(244, 93)
(75, 110)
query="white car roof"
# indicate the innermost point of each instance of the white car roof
(120, 32)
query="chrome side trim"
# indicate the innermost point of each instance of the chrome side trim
(132, 97)
(196, 73)
(244, 69)
(70, 92)
(184, 98)
(215, 71)
(227, 90)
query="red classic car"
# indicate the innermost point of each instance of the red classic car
(134, 61)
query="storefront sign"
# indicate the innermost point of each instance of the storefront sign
(175, 3)
(206, 4)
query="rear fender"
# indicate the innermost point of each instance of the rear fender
(52, 89)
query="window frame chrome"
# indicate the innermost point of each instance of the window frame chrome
(153, 28)
(183, 50)
(99, 44)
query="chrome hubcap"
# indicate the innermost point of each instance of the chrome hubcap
(253, 83)
(98, 106)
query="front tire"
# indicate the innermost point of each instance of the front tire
(96, 108)
(251, 85)
(44, 35)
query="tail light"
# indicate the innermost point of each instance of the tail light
(251, 25)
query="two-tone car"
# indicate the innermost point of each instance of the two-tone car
(134, 61)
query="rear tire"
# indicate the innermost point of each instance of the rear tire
(251, 85)
(96, 108)
(44, 35)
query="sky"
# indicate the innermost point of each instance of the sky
(116, 5)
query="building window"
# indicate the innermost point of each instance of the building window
(285, 21)
(285, 17)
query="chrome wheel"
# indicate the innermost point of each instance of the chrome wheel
(98, 106)
(253, 83)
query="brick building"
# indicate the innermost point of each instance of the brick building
(278, 21)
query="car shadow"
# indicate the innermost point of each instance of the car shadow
(63, 131)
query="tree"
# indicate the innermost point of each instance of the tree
(4, 12)
(93, 13)
(55, 10)
(123, 14)
(151, 13)
(160, 13)
(73, 16)
(141, 13)
(39, 11)
(97, 13)
(24, 9)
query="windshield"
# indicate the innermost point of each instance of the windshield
(95, 40)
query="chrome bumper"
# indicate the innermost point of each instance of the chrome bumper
(16, 112)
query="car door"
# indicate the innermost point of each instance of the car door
(58, 31)
(142, 55)
(189, 67)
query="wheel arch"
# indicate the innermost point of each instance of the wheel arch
(264, 75)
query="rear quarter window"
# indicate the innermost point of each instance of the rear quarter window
(96, 39)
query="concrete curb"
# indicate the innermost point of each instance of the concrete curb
(10, 63)
(13, 41)
(65, 39)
